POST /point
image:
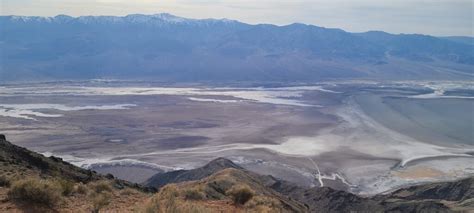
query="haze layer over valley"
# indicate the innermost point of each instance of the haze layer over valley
(364, 137)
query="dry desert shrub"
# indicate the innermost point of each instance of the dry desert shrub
(128, 191)
(216, 189)
(67, 186)
(81, 189)
(240, 194)
(193, 194)
(153, 206)
(100, 200)
(4, 181)
(101, 186)
(36, 191)
(169, 194)
(189, 207)
(264, 204)
(164, 201)
(173, 205)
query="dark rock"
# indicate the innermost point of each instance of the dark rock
(423, 206)
(118, 185)
(2, 137)
(151, 189)
(109, 176)
(56, 159)
(452, 191)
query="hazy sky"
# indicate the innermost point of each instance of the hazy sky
(435, 17)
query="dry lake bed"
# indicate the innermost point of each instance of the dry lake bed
(364, 137)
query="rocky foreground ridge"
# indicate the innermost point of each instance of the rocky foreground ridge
(30, 182)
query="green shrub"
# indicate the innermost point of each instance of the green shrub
(36, 191)
(4, 181)
(240, 194)
(193, 194)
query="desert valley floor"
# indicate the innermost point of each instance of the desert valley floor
(364, 137)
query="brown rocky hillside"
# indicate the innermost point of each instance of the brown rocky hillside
(31, 182)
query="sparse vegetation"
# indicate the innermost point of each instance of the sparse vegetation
(43, 191)
(100, 200)
(36, 191)
(169, 194)
(81, 189)
(168, 200)
(128, 191)
(67, 186)
(240, 194)
(264, 204)
(216, 189)
(169, 191)
(193, 194)
(153, 206)
(170, 204)
(192, 208)
(59, 187)
(102, 186)
(265, 209)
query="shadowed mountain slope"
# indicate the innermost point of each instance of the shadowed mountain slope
(23, 159)
(31, 182)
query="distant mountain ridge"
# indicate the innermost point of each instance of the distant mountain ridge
(461, 39)
(137, 18)
(171, 48)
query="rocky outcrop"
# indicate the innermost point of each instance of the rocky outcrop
(224, 179)
(450, 191)
(219, 175)
(21, 158)
(178, 176)
(432, 197)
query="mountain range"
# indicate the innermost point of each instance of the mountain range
(164, 47)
